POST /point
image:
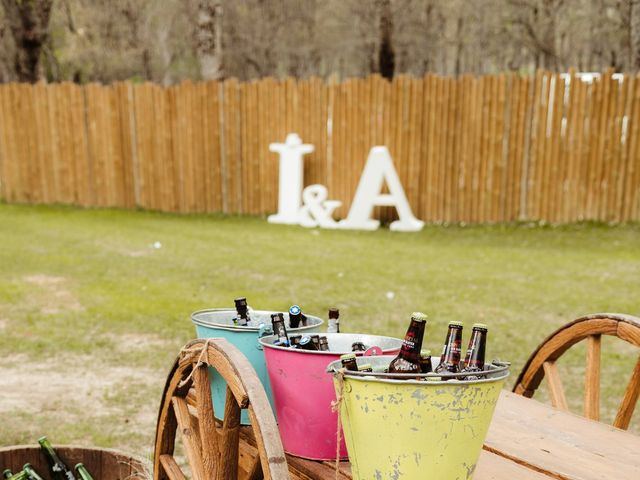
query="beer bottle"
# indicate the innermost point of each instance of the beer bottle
(349, 362)
(21, 475)
(242, 309)
(31, 473)
(7, 473)
(58, 468)
(408, 360)
(365, 367)
(334, 321)
(82, 472)
(295, 340)
(450, 358)
(474, 359)
(277, 322)
(358, 347)
(307, 343)
(296, 316)
(425, 361)
(324, 344)
(316, 341)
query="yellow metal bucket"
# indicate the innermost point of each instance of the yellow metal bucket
(427, 429)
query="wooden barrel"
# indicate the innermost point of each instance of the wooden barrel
(102, 463)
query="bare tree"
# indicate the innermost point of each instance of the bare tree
(28, 22)
(209, 38)
(634, 20)
(386, 55)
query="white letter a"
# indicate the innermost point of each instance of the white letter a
(379, 168)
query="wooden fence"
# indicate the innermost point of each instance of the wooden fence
(474, 149)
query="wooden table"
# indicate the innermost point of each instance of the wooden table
(528, 440)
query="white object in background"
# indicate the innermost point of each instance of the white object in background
(317, 211)
(291, 177)
(379, 168)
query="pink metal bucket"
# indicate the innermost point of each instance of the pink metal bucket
(303, 392)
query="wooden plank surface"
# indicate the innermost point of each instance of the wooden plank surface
(560, 444)
(490, 467)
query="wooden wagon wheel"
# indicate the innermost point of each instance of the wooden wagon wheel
(212, 448)
(542, 363)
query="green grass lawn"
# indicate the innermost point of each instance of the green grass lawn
(92, 315)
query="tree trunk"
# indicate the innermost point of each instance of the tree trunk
(635, 34)
(209, 39)
(386, 54)
(29, 23)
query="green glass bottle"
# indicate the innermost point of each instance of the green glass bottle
(31, 473)
(59, 471)
(21, 475)
(82, 472)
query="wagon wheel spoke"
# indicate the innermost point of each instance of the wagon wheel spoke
(558, 399)
(171, 468)
(230, 445)
(629, 400)
(592, 378)
(207, 422)
(190, 436)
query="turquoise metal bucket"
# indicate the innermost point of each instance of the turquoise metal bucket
(218, 323)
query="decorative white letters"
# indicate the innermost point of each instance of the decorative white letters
(311, 208)
(378, 169)
(290, 179)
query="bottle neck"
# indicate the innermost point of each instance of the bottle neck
(412, 343)
(452, 346)
(476, 350)
(280, 330)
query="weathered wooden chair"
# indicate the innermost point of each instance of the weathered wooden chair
(542, 363)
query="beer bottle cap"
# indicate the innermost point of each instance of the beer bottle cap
(455, 323)
(347, 356)
(294, 310)
(419, 316)
(481, 326)
(365, 366)
(240, 301)
(425, 353)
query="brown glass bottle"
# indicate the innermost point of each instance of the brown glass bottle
(277, 322)
(306, 343)
(349, 362)
(450, 358)
(296, 317)
(474, 359)
(408, 360)
(334, 321)
(242, 309)
(425, 361)
(324, 344)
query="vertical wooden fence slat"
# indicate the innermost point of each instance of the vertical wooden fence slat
(633, 195)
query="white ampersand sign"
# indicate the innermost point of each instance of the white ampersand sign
(317, 211)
